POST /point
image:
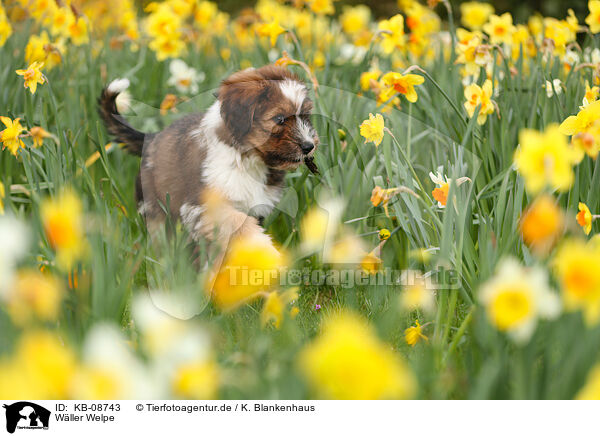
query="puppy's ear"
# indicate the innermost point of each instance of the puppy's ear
(240, 94)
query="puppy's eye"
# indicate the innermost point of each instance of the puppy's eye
(279, 119)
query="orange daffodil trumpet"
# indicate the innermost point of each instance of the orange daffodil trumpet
(33, 76)
(403, 84)
(479, 96)
(585, 218)
(440, 193)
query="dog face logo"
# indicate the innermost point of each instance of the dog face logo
(26, 415)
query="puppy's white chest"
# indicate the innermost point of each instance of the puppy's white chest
(242, 179)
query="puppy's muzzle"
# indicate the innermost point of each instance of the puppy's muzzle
(307, 146)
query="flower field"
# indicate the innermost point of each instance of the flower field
(447, 248)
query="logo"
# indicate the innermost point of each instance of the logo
(26, 415)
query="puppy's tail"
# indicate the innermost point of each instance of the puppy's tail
(115, 123)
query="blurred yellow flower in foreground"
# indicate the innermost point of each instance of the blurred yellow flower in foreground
(545, 159)
(5, 27)
(40, 368)
(372, 129)
(591, 389)
(475, 14)
(541, 224)
(414, 334)
(34, 296)
(196, 380)
(403, 84)
(516, 297)
(62, 219)
(354, 19)
(585, 218)
(593, 19)
(251, 265)
(32, 76)
(576, 268)
(271, 30)
(479, 96)
(348, 361)
(10, 136)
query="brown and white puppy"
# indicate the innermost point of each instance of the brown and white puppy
(240, 148)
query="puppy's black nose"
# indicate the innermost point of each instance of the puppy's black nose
(307, 147)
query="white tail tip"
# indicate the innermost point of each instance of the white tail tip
(118, 85)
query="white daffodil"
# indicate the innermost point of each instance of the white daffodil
(110, 369)
(516, 297)
(552, 88)
(15, 241)
(184, 78)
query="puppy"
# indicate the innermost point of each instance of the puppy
(222, 170)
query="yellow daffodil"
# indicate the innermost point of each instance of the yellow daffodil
(272, 30)
(41, 49)
(475, 14)
(62, 218)
(167, 47)
(500, 28)
(368, 79)
(321, 7)
(372, 129)
(38, 134)
(371, 263)
(585, 218)
(348, 361)
(479, 96)
(516, 297)
(251, 266)
(11, 136)
(414, 334)
(541, 224)
(576, 268)
(355, 19)
(593, 19)
(5, 27)
(545, 159)
(585, 129)
(32, 76)
(591, 94)
(392, 34)
(403, 84)
(78, 31)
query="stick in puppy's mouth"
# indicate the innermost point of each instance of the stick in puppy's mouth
(241, 147)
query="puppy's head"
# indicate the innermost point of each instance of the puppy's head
(267, 111)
